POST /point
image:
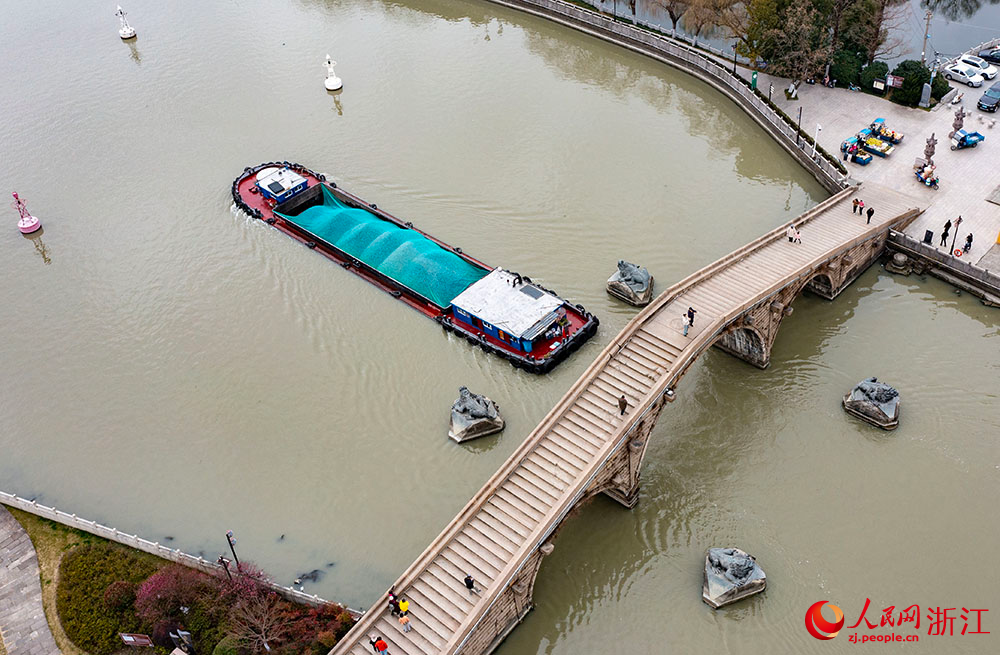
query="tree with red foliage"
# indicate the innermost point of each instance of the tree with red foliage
(163, 594)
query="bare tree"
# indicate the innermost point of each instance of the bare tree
(256, 622)
(878, 25)
(796, 53)
(674, 8)
(837, 10)
(703, 15)
(755, 24)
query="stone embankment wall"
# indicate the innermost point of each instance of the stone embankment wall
(153, 548)
(966, 275)
(695, 62)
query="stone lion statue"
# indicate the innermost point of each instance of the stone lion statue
(473, 405)
(734, 564)
(634, 276)
(877, 392)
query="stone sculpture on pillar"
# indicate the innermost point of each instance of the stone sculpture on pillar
(959, 121)
(473, 415)
(730, 575)
(874, 402)
(631, 283)
(929, 150)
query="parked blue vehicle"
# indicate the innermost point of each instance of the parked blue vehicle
(964, 139)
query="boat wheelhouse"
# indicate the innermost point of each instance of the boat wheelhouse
(501, 311)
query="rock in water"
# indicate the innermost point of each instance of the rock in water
(730, 575)
(875, 402)
(631, 283)
(473, 416)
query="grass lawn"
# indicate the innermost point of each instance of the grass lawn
(53, 540)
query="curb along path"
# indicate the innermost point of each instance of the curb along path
(23, 626)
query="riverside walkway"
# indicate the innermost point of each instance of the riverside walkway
(23, 626)
(584, 446)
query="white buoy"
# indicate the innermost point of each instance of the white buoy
(26, 223)
(126, 31)
(332, 81)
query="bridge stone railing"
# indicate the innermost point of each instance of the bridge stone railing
(146, 546)
(700, 64)
(982, 278)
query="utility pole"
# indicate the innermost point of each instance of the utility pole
(927, 33)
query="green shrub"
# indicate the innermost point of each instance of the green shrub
(228, 646)
(84, 575)
(939, 87)
(120, 595)
(846, 68)
(877, 70)
(914, 75)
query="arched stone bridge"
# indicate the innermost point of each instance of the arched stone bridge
(583, 447)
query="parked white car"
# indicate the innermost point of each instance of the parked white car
(981, 66)
(963, 73)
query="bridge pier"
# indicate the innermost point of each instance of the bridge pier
(510, 608)
(620, 478)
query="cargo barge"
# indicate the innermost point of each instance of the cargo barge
(502, 312)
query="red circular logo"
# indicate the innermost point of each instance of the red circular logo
(817, 625)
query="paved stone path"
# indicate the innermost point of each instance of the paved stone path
(23, 626)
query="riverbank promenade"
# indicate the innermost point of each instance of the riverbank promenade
(968, 176)
(586, 445)
(23, 626)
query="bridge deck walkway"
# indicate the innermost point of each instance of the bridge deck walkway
(523, 503)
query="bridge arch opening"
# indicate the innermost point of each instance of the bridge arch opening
(822, 285)
(746, 343)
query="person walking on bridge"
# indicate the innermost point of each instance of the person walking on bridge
(622, 405)
(870, 212)
(470, 582)
(854, 206)
(404, 606)
(373, 640)
(790, 233)
(944, 235)
(405, 622)
(381, 647)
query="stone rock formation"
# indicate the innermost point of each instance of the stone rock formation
(730, 575)
(473, 415)
(631, 283)
(875, 402)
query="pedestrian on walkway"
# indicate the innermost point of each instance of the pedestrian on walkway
(968, 243)
(790, 233)
(798, 237)
(470, 582)
(854, 206)
(380, 646)
(870, 212)
(861, 207)
(622, 405)
(947, 226)
(944, 236)
(373, 640)
(404, 606)
(405, 622)
(687, 323)
(393, 604)
(690, 314)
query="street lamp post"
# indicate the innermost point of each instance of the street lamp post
(232, 546)
(225, 564)
(958, 221)
(798, 132)
(819, 128)
(734, 59)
